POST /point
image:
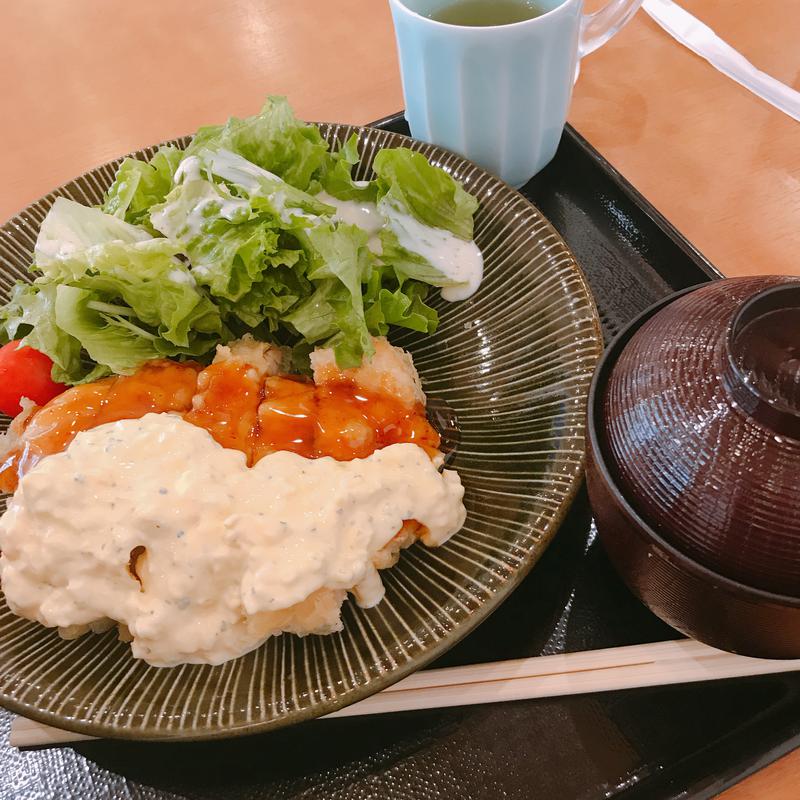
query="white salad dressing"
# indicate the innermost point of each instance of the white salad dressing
(207, 201)
(227, 555)
(182, 276)
(239, 170)
(70, 229)
(460, 261)
(361, 213)
(355, 212)
(190, 169)
(253, 179)
(287, 213)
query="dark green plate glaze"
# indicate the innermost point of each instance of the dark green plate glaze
(514, 362)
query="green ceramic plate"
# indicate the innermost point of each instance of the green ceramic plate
(514, 363)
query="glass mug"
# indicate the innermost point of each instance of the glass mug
(498, 95)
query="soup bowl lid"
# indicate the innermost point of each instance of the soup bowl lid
(701, 425)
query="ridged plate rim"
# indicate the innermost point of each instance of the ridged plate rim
(450, 161)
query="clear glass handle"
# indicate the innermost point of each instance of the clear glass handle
(598, 28)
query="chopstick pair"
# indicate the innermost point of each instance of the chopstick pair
(657, 664)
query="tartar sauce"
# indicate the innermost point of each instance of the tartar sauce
(153, 524)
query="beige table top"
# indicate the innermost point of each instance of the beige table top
(87, 80)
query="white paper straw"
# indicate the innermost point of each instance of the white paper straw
(657, 664)
(700, 39)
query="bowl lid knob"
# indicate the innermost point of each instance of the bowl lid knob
(763, 358)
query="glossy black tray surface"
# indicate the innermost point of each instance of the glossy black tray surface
(653, 744)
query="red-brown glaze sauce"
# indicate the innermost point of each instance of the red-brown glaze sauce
(336, 419)
(238, 408)
(228, 394)
(159, 386)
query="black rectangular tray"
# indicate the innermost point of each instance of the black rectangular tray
(658, 743)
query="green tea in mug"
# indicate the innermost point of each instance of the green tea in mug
(485, 13)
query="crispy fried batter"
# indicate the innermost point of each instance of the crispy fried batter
(244, 403)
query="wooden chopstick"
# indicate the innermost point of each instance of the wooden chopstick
(657, 664)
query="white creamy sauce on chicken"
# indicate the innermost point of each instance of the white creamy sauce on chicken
(153, 524)
(460, 261)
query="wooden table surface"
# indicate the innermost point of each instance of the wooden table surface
(87, 80)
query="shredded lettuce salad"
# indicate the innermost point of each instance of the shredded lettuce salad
(197, 247)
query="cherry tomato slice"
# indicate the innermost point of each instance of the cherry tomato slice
(25, 372)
